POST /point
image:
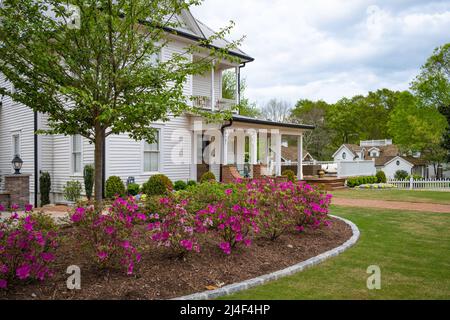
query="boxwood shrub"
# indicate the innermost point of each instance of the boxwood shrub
(114, 187)
(381, 177)
(180, 185)
(157, 185)
(357, 181)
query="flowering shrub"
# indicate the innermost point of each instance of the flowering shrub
(275, 205)
(173, 227)
(27, 246)
(311, 207)
(233, 219)
(110, 238)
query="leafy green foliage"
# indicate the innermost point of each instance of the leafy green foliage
(133, 189)
(72, 191)
(401, 175)
(290, 175)
(45, 184)
(357, 181)
(105, 67)
(180, 185)
(207, 177)
(114, 187)
(88, 176)
(381, 176)
(191, 183)
(157, 185)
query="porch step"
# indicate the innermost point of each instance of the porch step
(329, 183)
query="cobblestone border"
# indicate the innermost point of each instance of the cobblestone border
(237, 287)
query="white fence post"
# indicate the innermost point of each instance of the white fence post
(425, 184)
(411, 183)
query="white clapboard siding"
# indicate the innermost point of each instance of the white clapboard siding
(15, 117)
(178, 48)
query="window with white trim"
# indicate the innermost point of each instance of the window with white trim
(16, 144)
(77, 144)
(152, 154)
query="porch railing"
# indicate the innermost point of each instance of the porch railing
(204, 102)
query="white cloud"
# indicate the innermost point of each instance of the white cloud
(327, 49)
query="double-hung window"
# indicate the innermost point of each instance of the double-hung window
(152, 154)
(77, 144)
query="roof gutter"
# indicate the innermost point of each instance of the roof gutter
(210, 46)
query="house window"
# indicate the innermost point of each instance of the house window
(398, 163)
(16, 144)
(77, 144)
(344, 156)
(152, 155)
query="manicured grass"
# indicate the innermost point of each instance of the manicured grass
(412, 249)
(396, 195)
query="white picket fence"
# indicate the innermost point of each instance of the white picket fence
(411, 184)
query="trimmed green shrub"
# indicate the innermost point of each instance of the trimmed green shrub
(72, 191)
(45, 184)
(415, 177)
(290, 175)
(133, 189)
(381, 176)
(180, 185)
(401, 175)
(88, 176)
(114, 187)
(191, 183)
(157, 185)
(207, 177)
(357, 181)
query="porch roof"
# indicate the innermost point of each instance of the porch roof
(243, 119)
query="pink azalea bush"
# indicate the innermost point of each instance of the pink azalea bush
(27, 247)
(173, 227)
(111, 238)
(311, 207)
(233, 219)
(275, 205)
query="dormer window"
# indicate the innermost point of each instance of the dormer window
(344, 156)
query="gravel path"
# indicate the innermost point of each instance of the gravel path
(394, 205)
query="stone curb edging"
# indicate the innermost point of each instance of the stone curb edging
(237, 287)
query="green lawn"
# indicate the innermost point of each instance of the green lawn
(396, 195)
(412, 249)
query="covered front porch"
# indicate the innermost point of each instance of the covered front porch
(245, 148)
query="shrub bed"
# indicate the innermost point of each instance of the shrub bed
(357, 181)
(209, 220)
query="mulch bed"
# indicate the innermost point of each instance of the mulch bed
(160, 276)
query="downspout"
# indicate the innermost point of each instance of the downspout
(36, 160)
(239, 83)
(222, 131)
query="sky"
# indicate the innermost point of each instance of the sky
(329, 49)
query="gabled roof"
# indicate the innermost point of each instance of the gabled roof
(193, 29)
(353, 148)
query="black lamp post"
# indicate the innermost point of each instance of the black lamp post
(17, 164)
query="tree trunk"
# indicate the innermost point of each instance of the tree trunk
(99, 144)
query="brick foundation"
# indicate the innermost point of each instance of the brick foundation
(18, 187)
(4, 199)
(230, 174)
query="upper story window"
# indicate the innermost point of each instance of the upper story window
(152, 154)
(77, 144)
(16, 144)
(344, 156)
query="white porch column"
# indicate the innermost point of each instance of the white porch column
(240, 148)
(253, 146)
(277, 148)
(238, 98)
(213, 93)
(226, 136)
(300, 157)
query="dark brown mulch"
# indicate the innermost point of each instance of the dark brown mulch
(160, 276)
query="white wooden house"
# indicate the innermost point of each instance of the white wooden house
(183, 149)
(385, 155)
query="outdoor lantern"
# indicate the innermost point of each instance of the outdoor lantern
(17, 164)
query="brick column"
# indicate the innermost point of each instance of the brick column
(259, 171)
(18, 187)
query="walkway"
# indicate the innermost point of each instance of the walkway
(394, 205)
